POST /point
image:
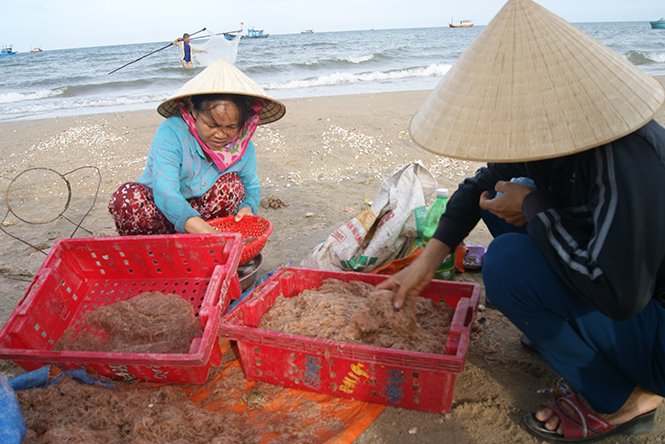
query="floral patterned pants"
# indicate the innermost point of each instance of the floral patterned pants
(135, 213)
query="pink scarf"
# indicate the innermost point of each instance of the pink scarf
(235, 149)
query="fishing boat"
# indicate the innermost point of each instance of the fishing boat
(7, 51)
(461, 24)
(255, 34)
(232, 34)
(37, 49)
(658, 24)
(307, 31)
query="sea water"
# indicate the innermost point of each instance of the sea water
(70, 82)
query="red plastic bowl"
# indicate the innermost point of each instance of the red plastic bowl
(254, 230)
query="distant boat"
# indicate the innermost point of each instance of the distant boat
(7, 51)
(658, 24)
(461, 24)
(255, 34)
(307, 31)
(232, 34)
(37, 49)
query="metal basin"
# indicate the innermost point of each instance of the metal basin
(247, 272)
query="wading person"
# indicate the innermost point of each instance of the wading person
(578, 259)
(202, 162)
(186, 50)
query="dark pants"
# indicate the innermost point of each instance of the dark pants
(603, 359)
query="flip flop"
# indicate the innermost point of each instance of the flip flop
(583, 425)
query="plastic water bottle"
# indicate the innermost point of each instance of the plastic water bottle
(447, 269)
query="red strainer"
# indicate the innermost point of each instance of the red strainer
(254, 230)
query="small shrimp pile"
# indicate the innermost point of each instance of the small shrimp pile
(151, 322)
(70, 412)
(354, 312)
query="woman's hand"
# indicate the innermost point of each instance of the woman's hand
(509, 206)
(411, 280)
(244, 211)
(196, 225)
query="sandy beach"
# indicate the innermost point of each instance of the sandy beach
(325, 159)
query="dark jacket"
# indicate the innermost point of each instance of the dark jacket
(598, 217)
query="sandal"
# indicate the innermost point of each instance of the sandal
(583, 425)
(528, 345)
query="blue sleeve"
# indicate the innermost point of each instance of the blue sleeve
(250, 179)
(162, 174)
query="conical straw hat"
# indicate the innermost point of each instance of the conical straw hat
(532, 86)
(223, 78)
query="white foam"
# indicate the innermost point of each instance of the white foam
(20, 97)
(358, 59)
(341, 78)
(39, 107)
(658, 57)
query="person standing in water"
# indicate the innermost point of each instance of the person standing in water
(186, 50)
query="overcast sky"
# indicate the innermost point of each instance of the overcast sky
(59, 24)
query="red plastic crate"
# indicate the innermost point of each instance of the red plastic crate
(412, 380)
(80, 275)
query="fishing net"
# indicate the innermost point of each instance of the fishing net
(217, 47)
(354, 312)
(227, 409)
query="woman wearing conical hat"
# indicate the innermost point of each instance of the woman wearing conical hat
(202, 162)
(578, 259)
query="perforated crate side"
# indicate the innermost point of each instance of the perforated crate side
(270, 356)
(149, 257)
(398, 386)
(82, 276)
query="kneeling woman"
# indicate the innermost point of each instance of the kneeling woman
(202, 162)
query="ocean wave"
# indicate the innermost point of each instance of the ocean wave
(21, 97)
(341, 78)
(644, 57)
(310, 64)
(357, 59)
(58, 105)
(326, 62)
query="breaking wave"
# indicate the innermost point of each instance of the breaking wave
(341, 78)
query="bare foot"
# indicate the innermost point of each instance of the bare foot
(639, 402)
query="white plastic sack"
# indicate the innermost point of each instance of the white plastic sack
(385, 231)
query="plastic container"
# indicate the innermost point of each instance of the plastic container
(80, 275)
(255, 231)
(474, 257)
(446, 271)
(399, 378)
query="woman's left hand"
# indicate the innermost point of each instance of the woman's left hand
(244, 211)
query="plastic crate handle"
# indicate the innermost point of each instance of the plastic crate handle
(235, 290)
(466, 310)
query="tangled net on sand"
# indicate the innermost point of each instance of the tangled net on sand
(69, 412)
(354, 312)
(151, 322)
